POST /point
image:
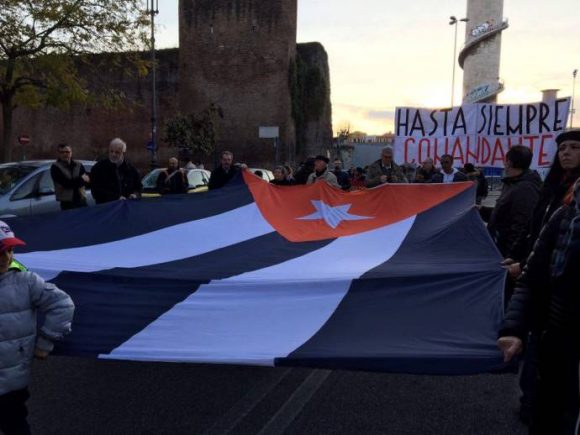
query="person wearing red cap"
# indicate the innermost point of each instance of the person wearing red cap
(22, 294)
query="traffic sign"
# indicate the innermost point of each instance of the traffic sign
(23, 139)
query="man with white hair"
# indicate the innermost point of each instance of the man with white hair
(385, 170)
(115, 178)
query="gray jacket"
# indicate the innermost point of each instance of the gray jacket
(327, 176)
(22, 294)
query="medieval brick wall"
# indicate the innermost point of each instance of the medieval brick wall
(238, 54)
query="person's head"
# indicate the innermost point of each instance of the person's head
(447, 163)
(469, 168)
(337, 165)
(117, 150)
(173, 164)
(427, 164)
(320, 163)
(279, 173)
(7, 243)
(518, 159)
(64, 152)
(569, 150)
(387, 155)
(226, 160)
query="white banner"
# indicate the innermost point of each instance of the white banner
(480, 133)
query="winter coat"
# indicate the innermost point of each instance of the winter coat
(109, 182)
(457, 178)
(68, 184)
(327, 176)
(174, 182)
(22, 295)
(219, 178)
(511, 217)
(376, 170)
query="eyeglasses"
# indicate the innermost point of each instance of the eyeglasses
(64, 152)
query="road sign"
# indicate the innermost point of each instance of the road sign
(24, 139)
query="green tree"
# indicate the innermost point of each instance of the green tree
(196, 133)
(44, 44)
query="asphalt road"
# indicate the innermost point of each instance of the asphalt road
(83, 396)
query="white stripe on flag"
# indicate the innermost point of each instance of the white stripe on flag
(256, 317)
(167, 244)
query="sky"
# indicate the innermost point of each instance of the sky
(385, 54)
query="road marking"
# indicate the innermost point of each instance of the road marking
(247, 403)
(294, 405)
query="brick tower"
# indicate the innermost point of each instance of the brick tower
(239, 54)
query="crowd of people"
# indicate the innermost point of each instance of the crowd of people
(535, 226)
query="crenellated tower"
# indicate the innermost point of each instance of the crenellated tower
(239, 54)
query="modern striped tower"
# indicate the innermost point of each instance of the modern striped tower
(480, 56)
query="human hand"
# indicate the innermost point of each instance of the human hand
(86, 178)
(133, 196)
(510, 347)
(40, 354)
(514, 270)
(122, 198)
(508, 261)
(383, 178)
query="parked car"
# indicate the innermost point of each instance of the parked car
(197, 179)
(266, 174)
(26, 188)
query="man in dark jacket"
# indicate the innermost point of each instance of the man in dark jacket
(385, 170)
(511, 216)
(448, 173)
(341, 176)
(221, 175)
(69, 178)
(172, 180)
(115, 178)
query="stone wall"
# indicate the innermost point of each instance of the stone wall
(239, 54)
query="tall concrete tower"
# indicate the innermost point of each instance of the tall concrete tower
(239, 54)
(480, 57)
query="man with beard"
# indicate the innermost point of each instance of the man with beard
(115, 178)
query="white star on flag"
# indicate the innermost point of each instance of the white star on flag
(333, 216)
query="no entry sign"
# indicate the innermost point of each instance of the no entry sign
(24, 139)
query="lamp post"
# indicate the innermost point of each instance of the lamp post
(572, 110)
(152, 10)
(453, 21)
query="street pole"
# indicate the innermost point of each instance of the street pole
(572, 110)
(152, 10)
(453, 21)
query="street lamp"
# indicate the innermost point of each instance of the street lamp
(453, 22)
(152, 10)
(572, 110)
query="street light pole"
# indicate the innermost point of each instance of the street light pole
(152, 10)
(453, 21)
(572, 110)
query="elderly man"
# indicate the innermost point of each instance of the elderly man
(426, 172)
(115, 178)
(69, 178)
(172, 180)
(221, 175)
(321, 172)
(385, 170)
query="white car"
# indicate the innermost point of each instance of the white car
(26, 188)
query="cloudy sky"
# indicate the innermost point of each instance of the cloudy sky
(389, 53)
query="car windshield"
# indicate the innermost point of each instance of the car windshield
(11, 175)
(149, 181)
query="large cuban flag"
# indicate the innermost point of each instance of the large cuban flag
(400, 278)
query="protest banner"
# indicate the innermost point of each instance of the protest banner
(480, 133)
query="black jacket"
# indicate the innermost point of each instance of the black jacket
(69, 185)
(174, 182)
(109, 182)
(510, 219)
(219, 178)
(457, 178)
